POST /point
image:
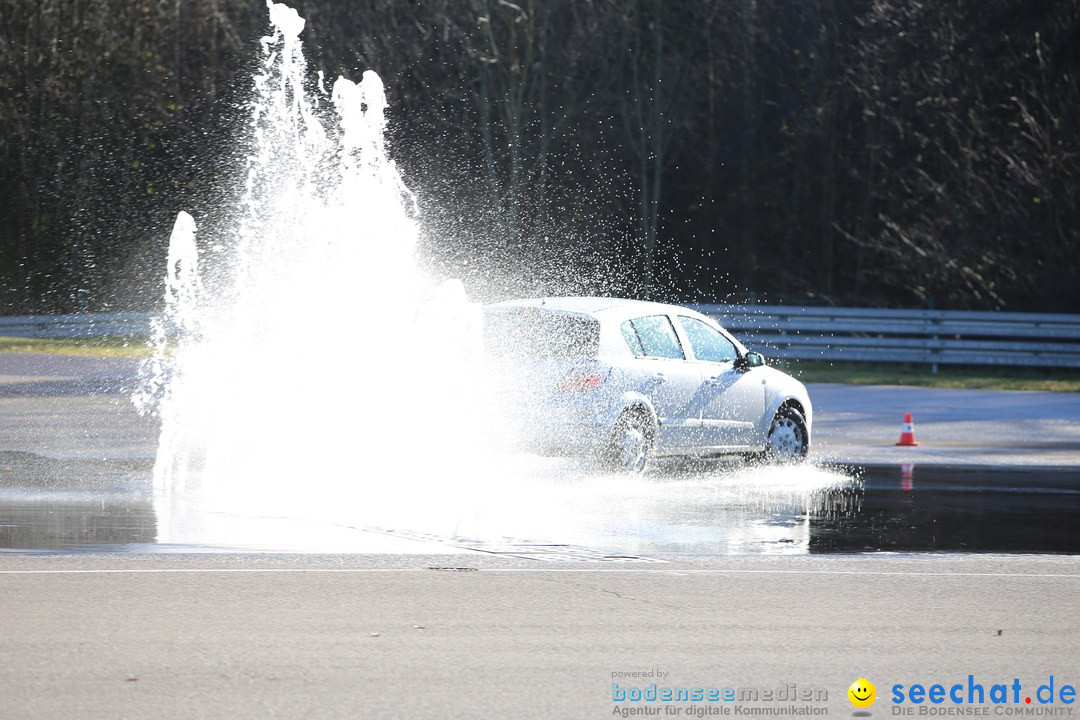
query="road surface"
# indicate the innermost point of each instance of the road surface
(76, 407)
(187, 632)
(387, 637)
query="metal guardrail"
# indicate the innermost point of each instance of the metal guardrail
(788, 333)
(930, 337)
(80, 326)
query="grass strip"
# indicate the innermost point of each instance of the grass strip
(97, 347)
(947, 376)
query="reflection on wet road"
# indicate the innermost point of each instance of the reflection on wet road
(550, 511)
(957, 509)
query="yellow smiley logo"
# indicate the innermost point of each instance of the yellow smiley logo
(862, 693)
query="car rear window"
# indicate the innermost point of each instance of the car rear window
(536, 333)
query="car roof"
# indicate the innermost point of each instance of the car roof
(607, 309)
(581, 304)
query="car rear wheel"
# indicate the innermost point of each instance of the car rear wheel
(631, 446)
(788, 440)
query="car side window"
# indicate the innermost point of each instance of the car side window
(631, 338)
(707, 342)
(657, 337)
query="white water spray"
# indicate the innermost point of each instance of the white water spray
(309, 380)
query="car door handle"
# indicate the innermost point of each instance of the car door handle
(718, 380)
(659, 378)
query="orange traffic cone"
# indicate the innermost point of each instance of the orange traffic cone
(907, 437)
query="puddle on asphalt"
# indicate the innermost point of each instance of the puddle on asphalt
(926, 508)
(53, 504)
(81, 506)
(74, 522)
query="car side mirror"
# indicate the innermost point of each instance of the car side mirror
(750, 360)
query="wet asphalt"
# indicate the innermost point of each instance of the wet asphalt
(993, 472)
(899, 565)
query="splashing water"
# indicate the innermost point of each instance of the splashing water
(303, 360)
(305, 369)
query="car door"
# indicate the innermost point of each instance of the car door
(732, 399)
(665, 376)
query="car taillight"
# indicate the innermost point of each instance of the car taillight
(581, 380)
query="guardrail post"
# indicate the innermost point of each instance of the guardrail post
(933, 365)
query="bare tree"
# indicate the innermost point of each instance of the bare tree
(653, 73)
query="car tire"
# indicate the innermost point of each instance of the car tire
(631, 446)
(788, 440)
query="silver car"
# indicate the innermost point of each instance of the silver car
(627, 381)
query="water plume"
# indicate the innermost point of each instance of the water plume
(301, 355)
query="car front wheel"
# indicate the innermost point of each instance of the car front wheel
(788, 440)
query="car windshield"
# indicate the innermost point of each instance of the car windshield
(530, 332)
